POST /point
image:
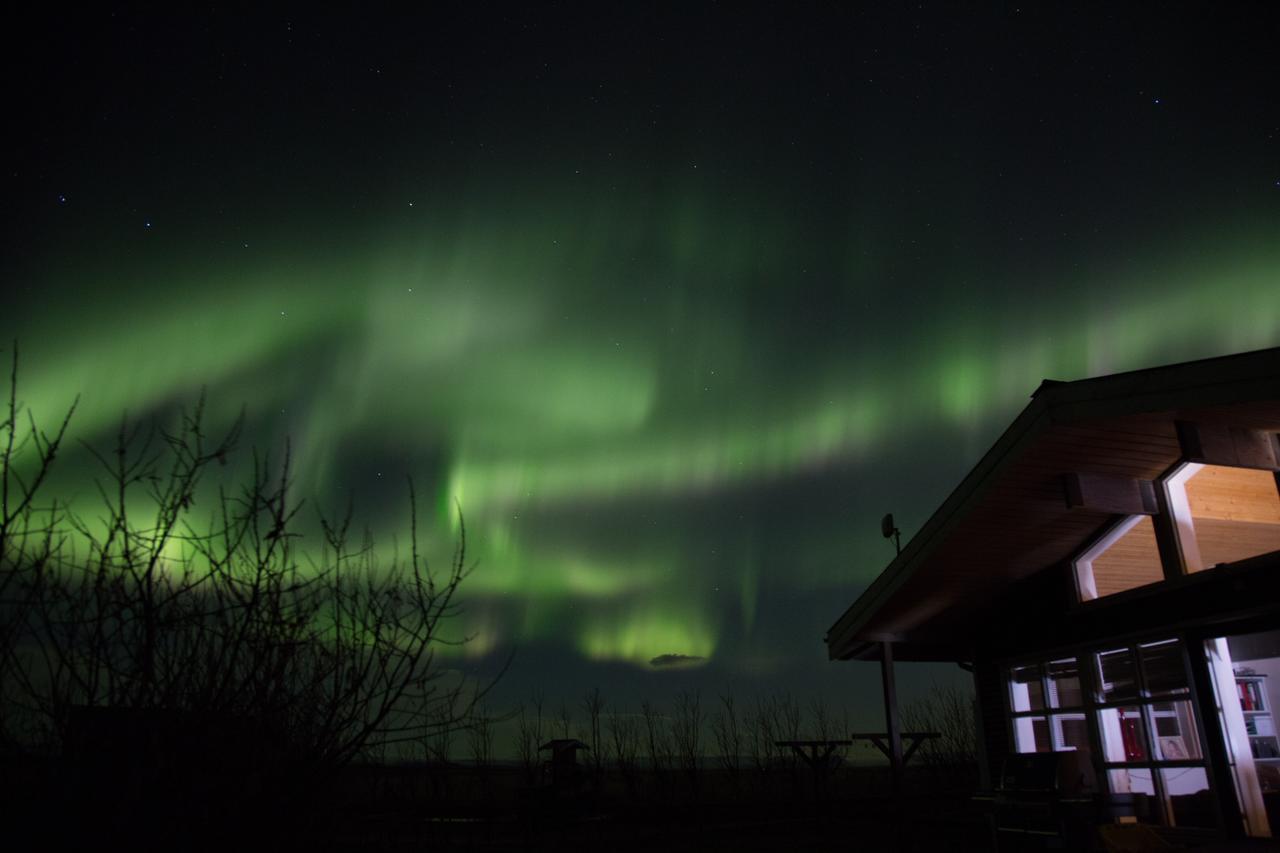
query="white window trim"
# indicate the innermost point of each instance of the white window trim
(1175, 489)
(1086, 586)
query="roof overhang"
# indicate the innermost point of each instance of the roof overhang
(1009, 517)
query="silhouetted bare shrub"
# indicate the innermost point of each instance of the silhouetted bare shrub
(217, 622)
(686, 734)
(564, 720)
(726, 728)
(593, 706)
(952, 758)
(624, 746)
(480, 736)
(657, 745)
(775, 717)
(529, 736)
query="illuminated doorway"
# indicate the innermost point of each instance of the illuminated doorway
(1246, 678)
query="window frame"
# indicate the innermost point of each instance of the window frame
(1082, 562)
(1173, 486)
(1092, 705)
(1049, 711)
(1177, 547)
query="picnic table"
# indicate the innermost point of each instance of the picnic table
(880, 741)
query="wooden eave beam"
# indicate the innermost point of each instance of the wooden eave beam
(1225, 444)
(1110, 494)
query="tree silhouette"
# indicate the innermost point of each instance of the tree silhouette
(214, 635)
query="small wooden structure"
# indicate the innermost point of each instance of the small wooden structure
(563, 766)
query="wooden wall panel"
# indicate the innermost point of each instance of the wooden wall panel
(1230, 541)
(1131, 562)
(1234, 494)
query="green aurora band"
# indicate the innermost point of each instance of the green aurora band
(561, 388)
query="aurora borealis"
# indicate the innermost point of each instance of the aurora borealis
(673, 304)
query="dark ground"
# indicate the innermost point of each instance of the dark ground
(497, 811)
(422, 807)
(50, 805)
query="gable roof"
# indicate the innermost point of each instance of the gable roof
(561, 744)
(1008, 518)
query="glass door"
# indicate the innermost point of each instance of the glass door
(1245, 670)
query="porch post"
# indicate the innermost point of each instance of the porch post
(892, 723)
(1207, 698)
(980, 728)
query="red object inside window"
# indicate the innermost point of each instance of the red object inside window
(1131, 732)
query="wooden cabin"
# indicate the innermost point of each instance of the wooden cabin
(1110, 573)
(562, 767)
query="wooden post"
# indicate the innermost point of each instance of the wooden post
(1207, 698)
(980, 729)
(892, 724)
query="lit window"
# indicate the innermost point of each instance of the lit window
(1125, 713)
(1147, 725)
(1224, 514)
(1053, 686)
(1124, 558)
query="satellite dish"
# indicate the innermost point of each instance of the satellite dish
(890, 531)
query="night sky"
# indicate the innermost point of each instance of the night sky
(675, 302)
